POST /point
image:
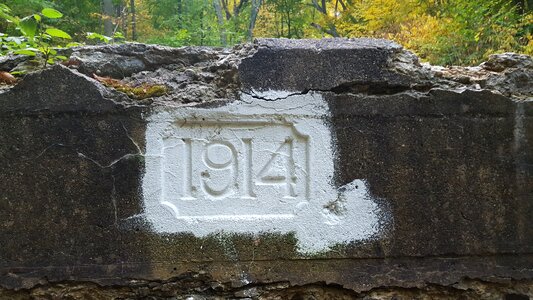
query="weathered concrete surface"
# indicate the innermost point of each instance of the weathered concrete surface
(354, 62)
(444, 164)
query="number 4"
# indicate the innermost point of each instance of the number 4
(279, 170)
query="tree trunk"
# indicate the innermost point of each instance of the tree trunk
(133, 21)
(256, 5)
(108, 17)
(289, 33)
(124, 18)
(180, 13)
(220, 20)
(180, 6)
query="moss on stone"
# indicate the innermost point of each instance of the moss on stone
(138, 91)
(143, 91)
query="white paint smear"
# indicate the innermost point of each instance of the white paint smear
(252, 166)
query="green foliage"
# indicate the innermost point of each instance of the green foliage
(288, 18)
(439, 31)
(475, 29)
(51, 13)
(26, 7)
(100, 38)
(193, 22)
(447, 32)
(37, 37)
(78, 16)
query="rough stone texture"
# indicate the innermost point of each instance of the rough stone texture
(192, 74)
(65, 91)
(8, 63)
(198, 286)
(508, 73)
(298, 66)
(447, 150)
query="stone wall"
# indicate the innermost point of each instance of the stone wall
(275, 170)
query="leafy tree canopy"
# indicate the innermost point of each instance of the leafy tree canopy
(439, 31)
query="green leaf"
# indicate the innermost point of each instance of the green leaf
(73, 44)
(51, 13)
(25, 52)
(61, 57)
(5, 13)
(118, 35)
(43, 50)
(58, 33)
(37, 17)
(4, 7)
(28, 26)
(101, 37)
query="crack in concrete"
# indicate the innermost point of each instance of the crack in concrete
(84, 156)
(368, 89)
(113, 189)
(114, 200)
(114, 162)
(45, 150)
(101, 165)
(139, 151)
(288, 95)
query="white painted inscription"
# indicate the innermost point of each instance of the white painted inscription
(215, 167)
(250, 167)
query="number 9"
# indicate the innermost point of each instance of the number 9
(219, 156)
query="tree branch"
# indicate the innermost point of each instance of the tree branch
(321, 9)
(226, 9)
(342, 4)
(237, 9)
(332, 31)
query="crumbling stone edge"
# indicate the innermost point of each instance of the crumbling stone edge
(202, 286)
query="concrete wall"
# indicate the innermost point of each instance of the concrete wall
(333, 168)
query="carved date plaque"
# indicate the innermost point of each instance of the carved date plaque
(251, 167)
(210, 166)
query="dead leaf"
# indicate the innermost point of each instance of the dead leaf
(7, 78)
